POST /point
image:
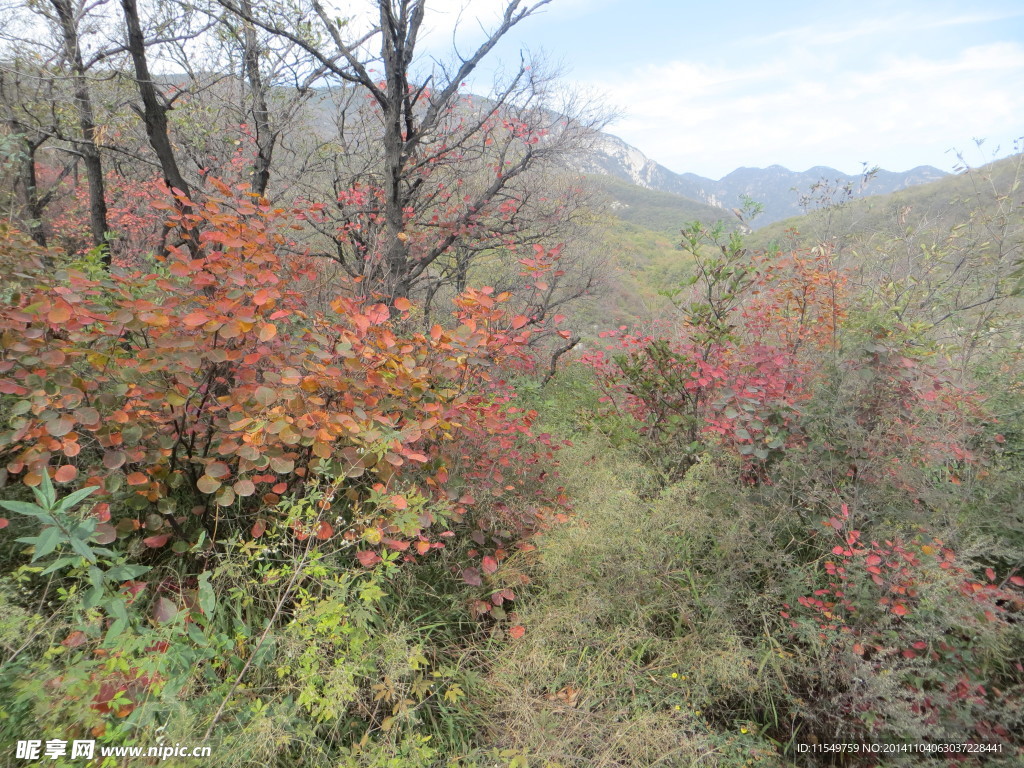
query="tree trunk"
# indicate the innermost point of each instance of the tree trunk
(31, 186)
(265, 138)
(87, 123)
(154, 114)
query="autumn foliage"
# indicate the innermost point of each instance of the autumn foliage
(735, 361)
(208, 387)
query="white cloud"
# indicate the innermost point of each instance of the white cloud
(896, 111)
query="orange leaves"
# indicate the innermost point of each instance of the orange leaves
(65, 473)
(59, 314)
(378, 314)
(190, 381)
(195, 319)
(261, 297)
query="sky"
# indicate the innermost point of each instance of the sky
(707, 88)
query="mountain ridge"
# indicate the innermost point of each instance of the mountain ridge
(776, 188)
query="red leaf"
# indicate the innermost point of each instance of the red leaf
(472, 577)
(367, 557)
(519, 321)
(4, 522)
(155, 542)
(873, 560)
(399, 502)
(1017, 581)
(401, 546)
(268, 331)
(403, 304)
(105, 533)
(899, 609)
(324, 530)
(490, 565)
(164, 610)
(517, 631)
(258, 528)
(75, 639)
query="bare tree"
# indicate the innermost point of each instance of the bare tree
(411, 199)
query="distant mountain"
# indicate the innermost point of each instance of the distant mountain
(778, 189)
(941, 210)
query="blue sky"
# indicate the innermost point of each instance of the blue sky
(707, 89)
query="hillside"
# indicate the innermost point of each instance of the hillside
(937, 207)
(663, 212)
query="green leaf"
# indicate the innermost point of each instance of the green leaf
(126, 572)
(207, 598)
(73, 498)
(197, 636)
(115, 631)
(93, 597)
(46, 490)
(47, 541)
(59, 563)
(24, 508)
(83, 549)
(117, 608)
